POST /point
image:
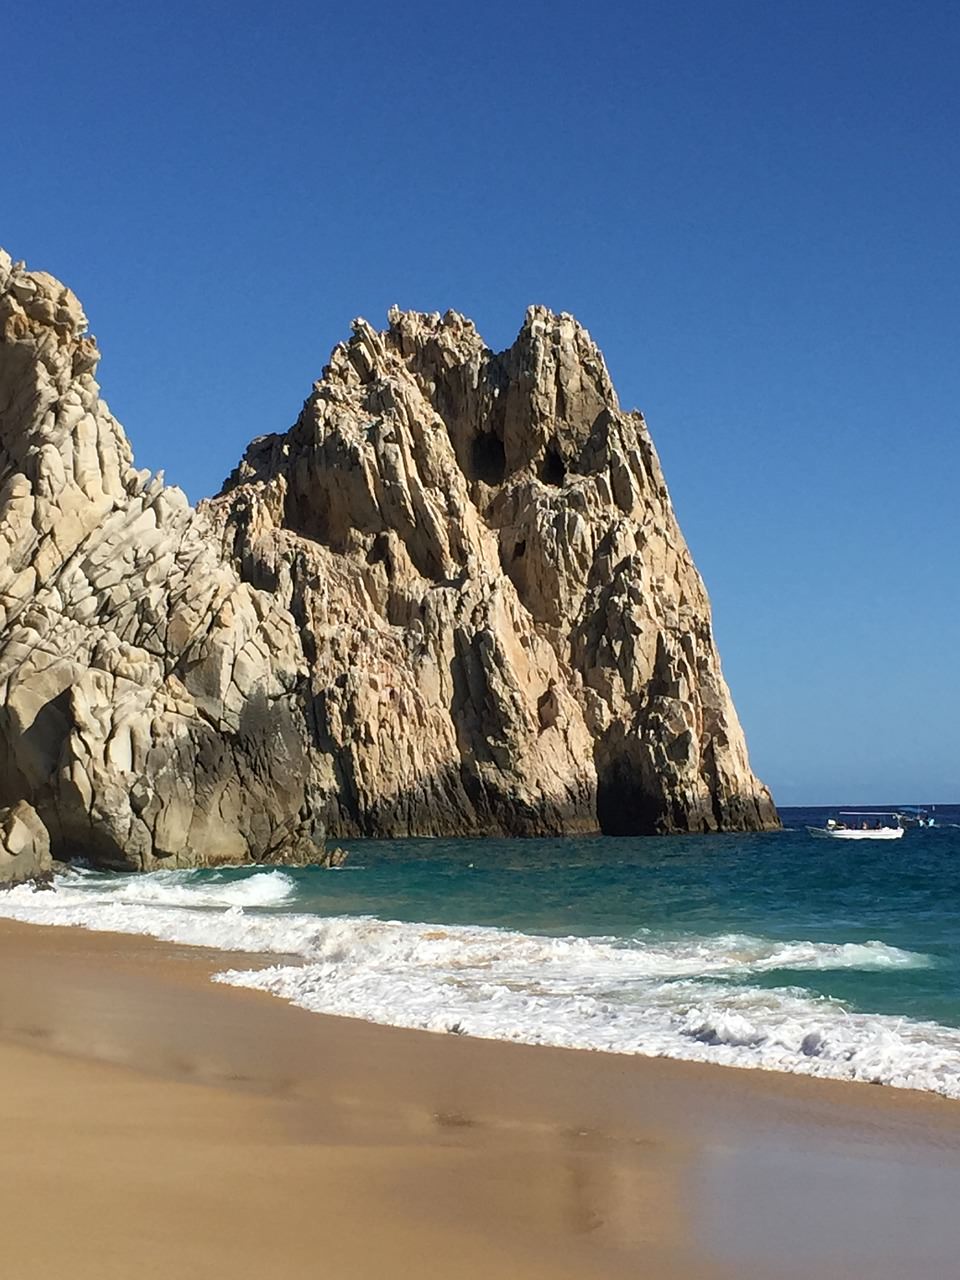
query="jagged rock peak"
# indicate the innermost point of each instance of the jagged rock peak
(452, 598)
(488, 538)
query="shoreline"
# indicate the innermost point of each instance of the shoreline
(276, 1136)
(345, 961)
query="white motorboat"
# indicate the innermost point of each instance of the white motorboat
(835, 830)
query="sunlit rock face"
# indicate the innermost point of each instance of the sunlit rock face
(452, 599)
(504, 628)
(150, 706)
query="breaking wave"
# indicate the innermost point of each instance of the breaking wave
(674, 996)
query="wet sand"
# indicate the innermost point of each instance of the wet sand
(157, 1125)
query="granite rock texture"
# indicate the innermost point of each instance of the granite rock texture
(504, 628)
(150, 700)
(452, 599)
(24, 847)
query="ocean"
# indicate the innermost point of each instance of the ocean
(823, 958)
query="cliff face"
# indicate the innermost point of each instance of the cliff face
(504, 628)
(453, 598)
(149, 699)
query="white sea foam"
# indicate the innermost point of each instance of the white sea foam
(684, 997)
(178, 889)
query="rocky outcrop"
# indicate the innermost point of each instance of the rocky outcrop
(452, 599)
(24, 847)
(504, 628)
(149, 699)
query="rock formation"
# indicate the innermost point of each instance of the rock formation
(452, 599)
(149, 699)
(24, 847)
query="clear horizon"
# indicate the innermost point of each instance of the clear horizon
(751, 208)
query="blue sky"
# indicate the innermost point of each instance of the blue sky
(754, 208)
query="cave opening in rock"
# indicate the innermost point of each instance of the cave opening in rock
(488, 458)
(519, 550)
(553, 470)
(379, 549)
(624, 808)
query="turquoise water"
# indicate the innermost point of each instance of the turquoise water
(776, 950)
(779, 885)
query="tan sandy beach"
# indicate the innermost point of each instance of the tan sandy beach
(157, 1125)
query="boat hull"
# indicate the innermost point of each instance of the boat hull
(850, 833)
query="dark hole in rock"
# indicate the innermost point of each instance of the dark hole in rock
(624, 808)
(519, 549)
(488, 458)
(554, 469)
(378, 550)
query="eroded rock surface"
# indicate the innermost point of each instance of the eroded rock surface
(24, 847)
(452, 599)
(149, 699)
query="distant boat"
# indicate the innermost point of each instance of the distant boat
(912, 815)
(835, 830)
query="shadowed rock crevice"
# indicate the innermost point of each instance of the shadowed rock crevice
(488, 459)
(451, 599)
